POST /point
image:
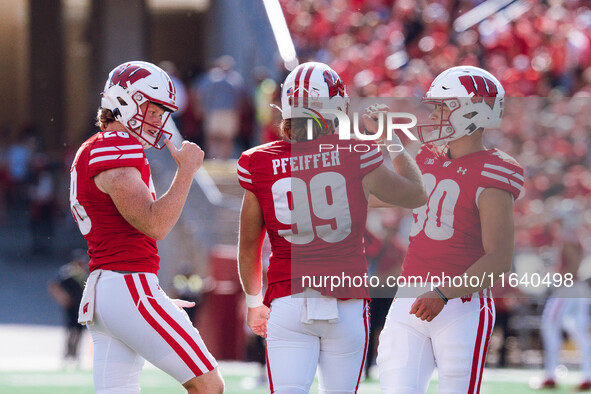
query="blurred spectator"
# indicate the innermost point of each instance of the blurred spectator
(507, 301)
(18, 157)
(181, 98)
(42, 206)
(4, 183)
(266, 93)
(220, 95)
(246, 125)
(192, 118)
(568, 308)
(66, 289)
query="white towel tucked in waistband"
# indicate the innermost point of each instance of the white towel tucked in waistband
(319, 307)
(86, 309)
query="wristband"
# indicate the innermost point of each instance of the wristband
(254, 301)
(440, 294)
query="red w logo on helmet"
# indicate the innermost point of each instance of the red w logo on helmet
(483, 88)
(335, 85)
(128, 74)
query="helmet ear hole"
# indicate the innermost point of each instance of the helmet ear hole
(470, 115)
(121, 101)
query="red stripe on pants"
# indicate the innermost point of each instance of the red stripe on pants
(175, 326)
(486, 339)
(158, 328)
(366, 325)
(269, 370)
(477, 345)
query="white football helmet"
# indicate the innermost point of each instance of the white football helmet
(474, 98)
(129, 86)
(312, 86)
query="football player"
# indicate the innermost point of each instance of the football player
(568, 307)
(312, 202)
(465, 229)
(113, 200)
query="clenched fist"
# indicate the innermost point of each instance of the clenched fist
(189, 157)
(370, 119)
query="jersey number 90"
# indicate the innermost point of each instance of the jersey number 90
(436, 218)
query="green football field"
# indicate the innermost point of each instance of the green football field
(30, 363)
(156, 382)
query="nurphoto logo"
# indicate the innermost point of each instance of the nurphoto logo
(388, 122)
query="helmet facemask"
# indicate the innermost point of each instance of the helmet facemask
(442, 131)
(139, 125)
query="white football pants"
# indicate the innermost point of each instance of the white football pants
(456, 341)
(135, 320)
(296, 349)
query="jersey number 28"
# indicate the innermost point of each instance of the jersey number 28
(78, 210)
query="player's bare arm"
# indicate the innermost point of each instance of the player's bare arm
(496, 217)
(133, 198)
(252, 232)
(250, 240)
(404, 188)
